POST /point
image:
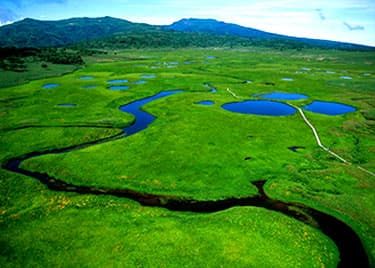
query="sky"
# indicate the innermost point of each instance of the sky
(339, 20)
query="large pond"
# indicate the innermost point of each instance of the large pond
(284, 96)
(329, 108)
(260, 107)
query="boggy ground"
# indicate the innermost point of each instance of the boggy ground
(191, 151)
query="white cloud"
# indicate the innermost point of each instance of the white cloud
(3, 23)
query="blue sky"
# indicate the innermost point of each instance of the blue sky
(341, 20)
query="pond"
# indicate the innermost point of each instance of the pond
(284, 96)
(117, 81)
(260, 107)
(213, 90)
(67, 105)
(148, 76)
(89, 86)
(50, 85)
(140, 82)
(206, 102)
(287, 79)
(143, 119)
(86, 77)
(329, 108)
(296, 148)
(211, 57)
(346, 77)
(119, 87)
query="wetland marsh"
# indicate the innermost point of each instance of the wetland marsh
(153, 143)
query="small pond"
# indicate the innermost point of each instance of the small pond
(287, 79)
(86, 77)
(305, 69)
(346, 77)
(260, 107)
(50, 85)
(210, 57)
(206, 102)
(330, 72)
(213, 90)
(89, 86)
(296, 148)
(284, 96)
(329, 108)
(67, 105)
(140, 82)
(148, 76)
(119, 87)
(117, 81)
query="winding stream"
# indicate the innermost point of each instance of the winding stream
(352, 253)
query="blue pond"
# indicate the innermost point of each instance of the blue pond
(329, 108)
(284, 96)
(260, 107)
(143, 119)
(206, 102)
(67, 105)
(86, 77)
(89, 86)
(118, 87)
(148, 76)
(287, 79)
(213, 90)
(210, 57)
(51, 85)
(140, 82)
(346, 77)
(118, 81)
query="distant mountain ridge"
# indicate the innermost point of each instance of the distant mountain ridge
(36, 33)
(222, 28)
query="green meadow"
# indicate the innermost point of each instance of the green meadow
(191, 151)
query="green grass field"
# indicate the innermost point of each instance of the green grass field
(191, 151)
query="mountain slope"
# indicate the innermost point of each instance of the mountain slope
(36, 33)
(218, 27)
(221, 28)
